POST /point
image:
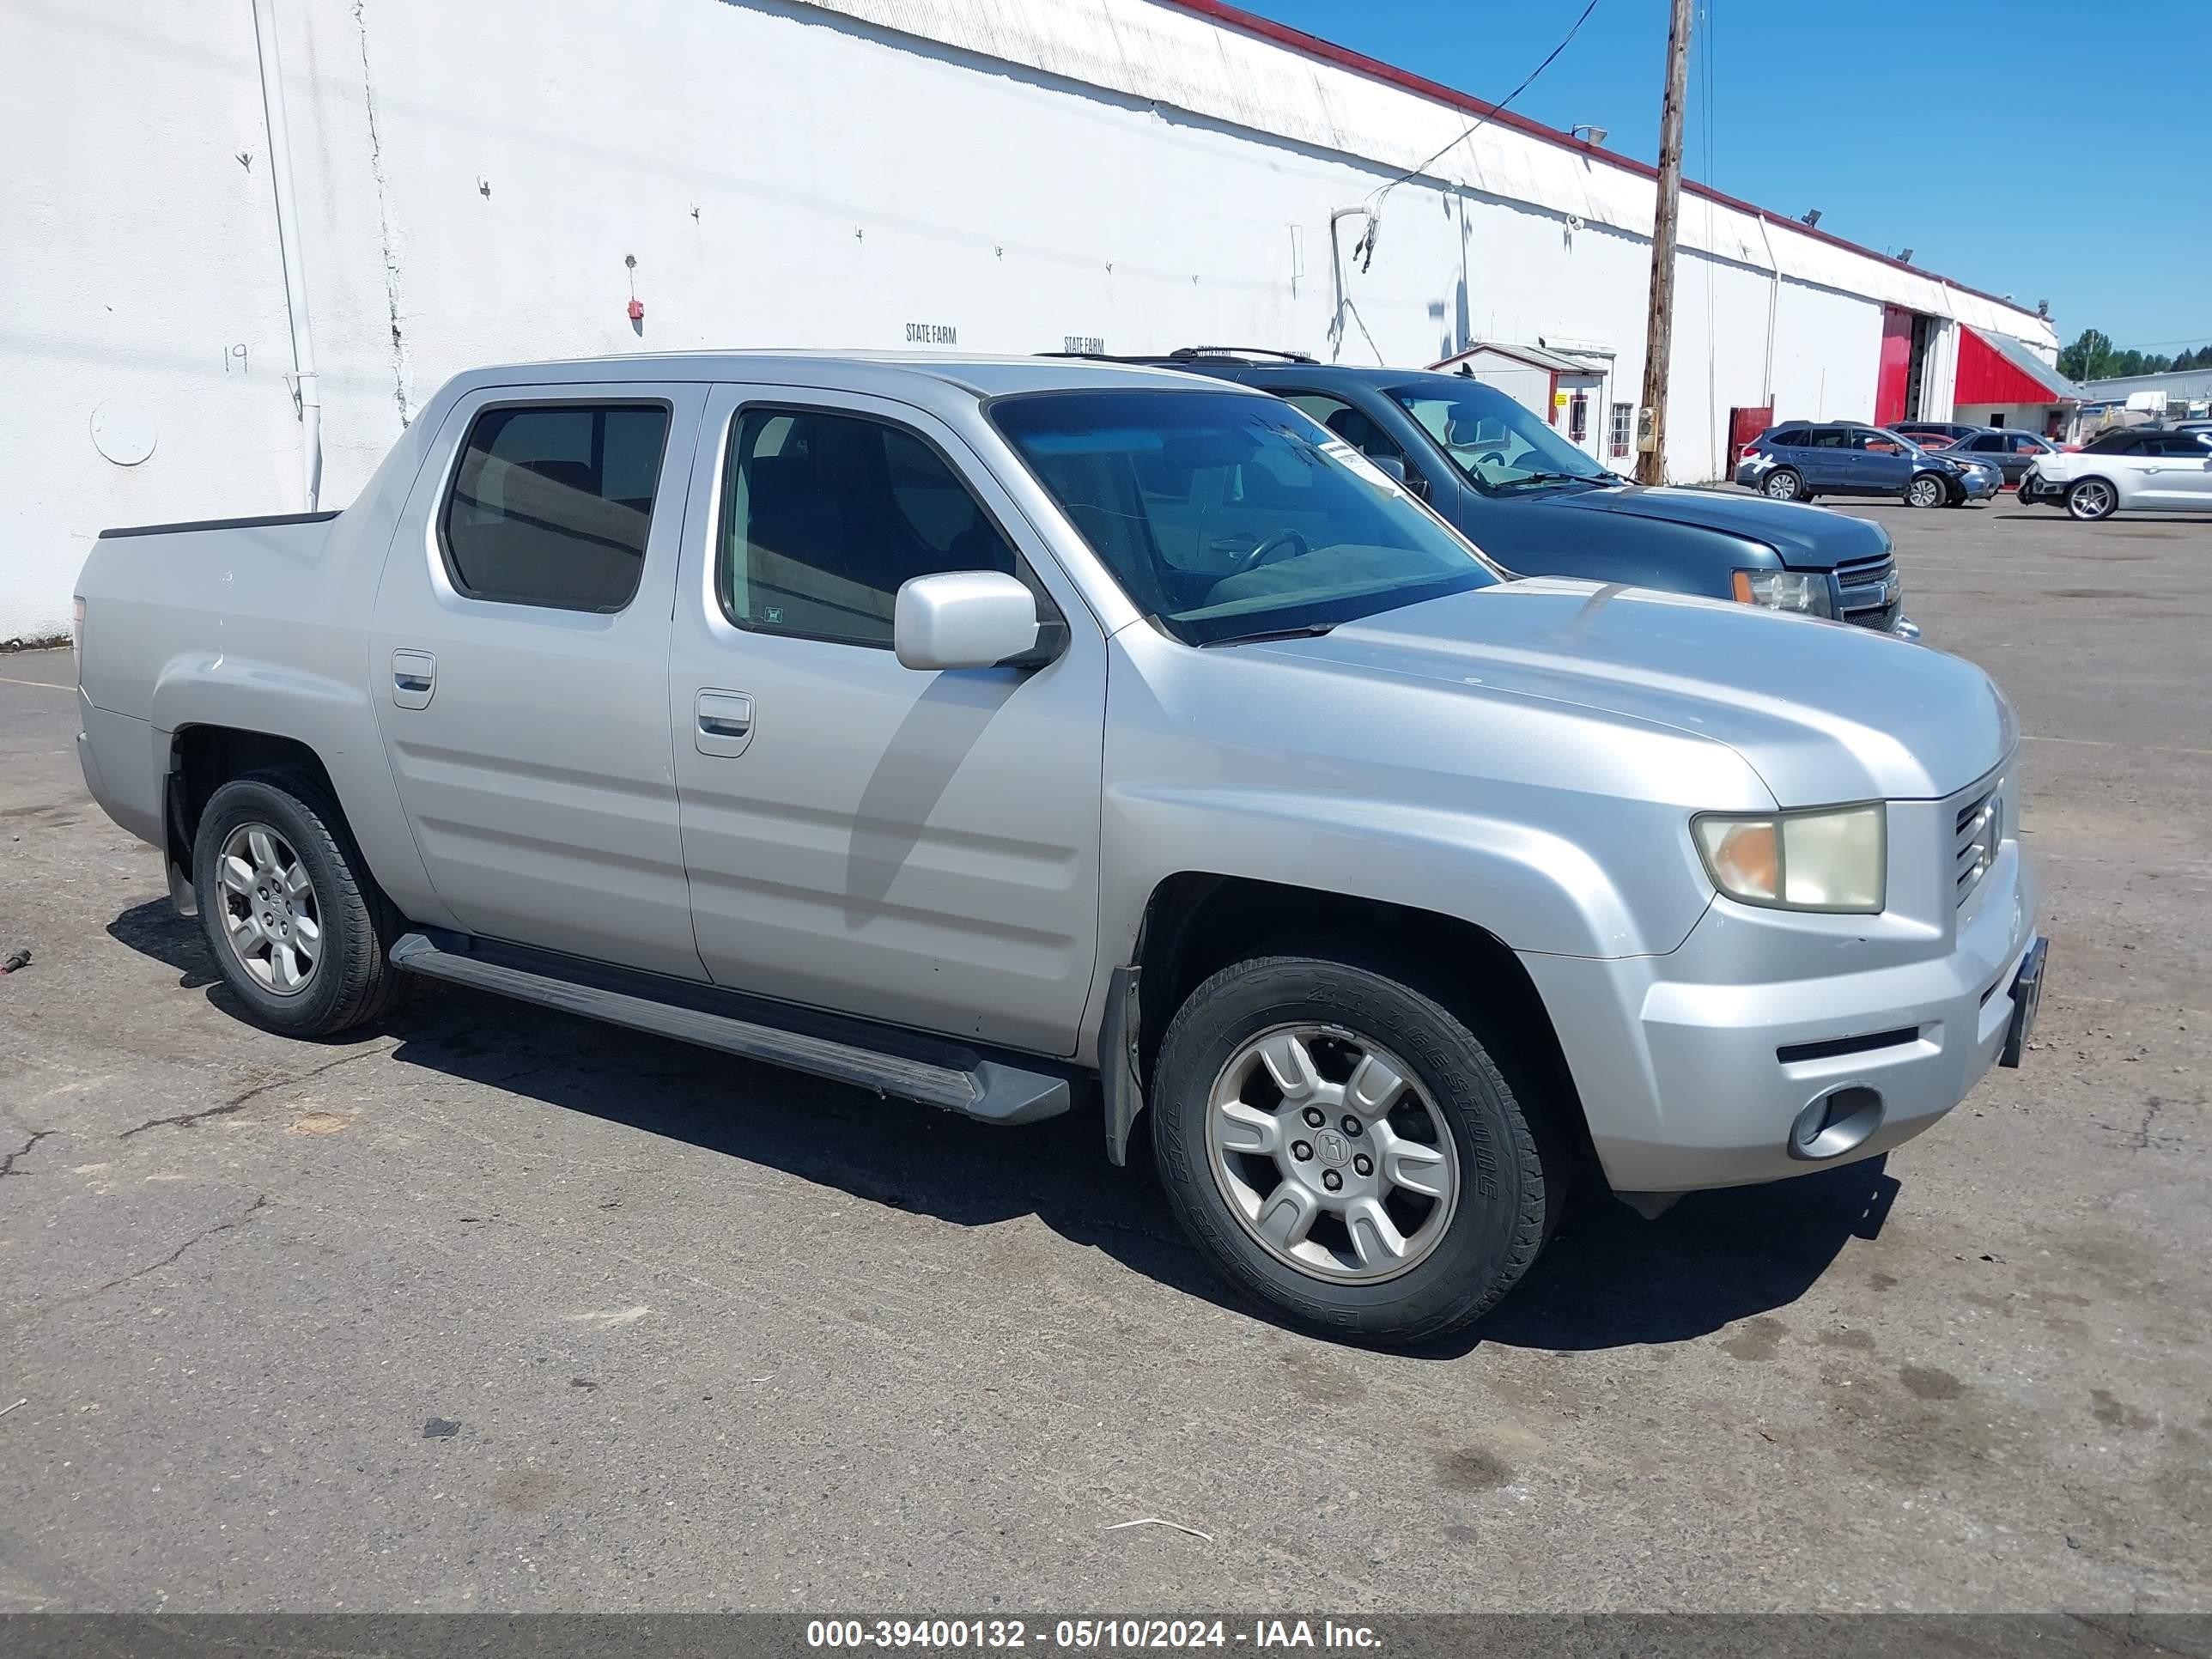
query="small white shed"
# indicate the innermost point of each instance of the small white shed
(1568, 392)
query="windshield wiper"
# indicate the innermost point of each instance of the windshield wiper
(1551, 478)
(1302, 631)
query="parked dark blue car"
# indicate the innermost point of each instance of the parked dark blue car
(1799, 459)
(1517, 489)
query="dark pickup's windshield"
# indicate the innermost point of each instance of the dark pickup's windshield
(1226, 516)
(1498, 441)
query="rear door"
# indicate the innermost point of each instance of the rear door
(1827, 461)
(916, 847)
(520, 657)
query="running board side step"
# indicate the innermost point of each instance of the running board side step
(939, 1074)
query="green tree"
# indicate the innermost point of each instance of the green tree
(2085, 359)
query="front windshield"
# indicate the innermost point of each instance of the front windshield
(1500, 443)
(1227, 516)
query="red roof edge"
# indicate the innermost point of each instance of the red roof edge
(1344, 58)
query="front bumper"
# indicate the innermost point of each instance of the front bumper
(1981, 486)
(1696, 1069)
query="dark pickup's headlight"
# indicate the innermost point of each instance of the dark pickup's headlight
(1802, 593)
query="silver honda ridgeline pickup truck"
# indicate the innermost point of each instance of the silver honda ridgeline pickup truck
(1000, 734)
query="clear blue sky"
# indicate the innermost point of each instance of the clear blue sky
(2046, 150)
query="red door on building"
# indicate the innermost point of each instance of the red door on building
(1745, 424)
(1896, 367)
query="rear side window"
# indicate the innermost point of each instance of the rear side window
(825, 516)
(551, 504)
(1830, 437)
(1792, 437)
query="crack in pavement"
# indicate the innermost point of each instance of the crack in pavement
(239, 1101)
(7, 1161)
(260, 1203)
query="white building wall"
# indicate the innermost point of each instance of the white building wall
(471, 179)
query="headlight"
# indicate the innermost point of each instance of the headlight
(1831, 859)
(1802, 591)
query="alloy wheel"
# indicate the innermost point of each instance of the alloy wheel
(1330, 1154)
(270, 915)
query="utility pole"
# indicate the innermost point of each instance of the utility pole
(1659, 327)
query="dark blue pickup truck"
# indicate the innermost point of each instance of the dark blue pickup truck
(1533, 502)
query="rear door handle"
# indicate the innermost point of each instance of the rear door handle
(414, 678)
(722, 722)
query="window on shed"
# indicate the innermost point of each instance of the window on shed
(551, 504)
(1619, 433)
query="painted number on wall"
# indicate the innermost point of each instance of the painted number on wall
(932, 334)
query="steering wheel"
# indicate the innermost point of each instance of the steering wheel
(1271, 549)
(1489, 455)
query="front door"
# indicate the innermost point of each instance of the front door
(1879, 464)
(918, 847)
(521, 668)
(2176, 473)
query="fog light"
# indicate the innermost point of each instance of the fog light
(1835, 1123)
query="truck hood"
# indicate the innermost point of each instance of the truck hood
(1823, 712)
(1806, 537)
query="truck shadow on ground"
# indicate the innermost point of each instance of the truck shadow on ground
(1609, 1278)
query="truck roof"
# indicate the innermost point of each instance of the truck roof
(978, 374)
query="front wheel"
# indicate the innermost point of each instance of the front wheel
(299, 930)
(2092, 498)
(1926, 491)
(1343, 1148)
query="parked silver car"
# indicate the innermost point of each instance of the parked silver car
(1001, 734)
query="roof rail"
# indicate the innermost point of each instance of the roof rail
(1241, 352)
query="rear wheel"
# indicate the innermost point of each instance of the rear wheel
(300, 931)
(1783, 485)
(1343, 1148)
(2093, 499)
(1926, 490)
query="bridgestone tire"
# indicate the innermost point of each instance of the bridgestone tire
(1513, 1158)
(354, 981)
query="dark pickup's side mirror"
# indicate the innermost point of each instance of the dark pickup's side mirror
(1393, 468)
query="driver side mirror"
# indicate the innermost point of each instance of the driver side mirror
(1393, 468)
(972, 619)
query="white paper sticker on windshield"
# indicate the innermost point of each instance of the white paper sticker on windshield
(1359, 464)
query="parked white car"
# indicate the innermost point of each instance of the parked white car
(2141, 471)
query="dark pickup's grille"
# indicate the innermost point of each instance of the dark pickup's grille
(1870, 596)
(1974, 843)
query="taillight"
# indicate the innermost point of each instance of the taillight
(77, 635)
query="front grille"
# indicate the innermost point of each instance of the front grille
(1979, 827)
(1866, 595)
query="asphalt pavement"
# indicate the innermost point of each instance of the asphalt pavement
(487, 1308)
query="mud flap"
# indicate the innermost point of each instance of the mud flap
(1119, 1079)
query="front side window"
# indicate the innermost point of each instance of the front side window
(551, 504)
(2113, 443)
(1500, 443)
(1226, 516)
(825, 515)
(1878, 443)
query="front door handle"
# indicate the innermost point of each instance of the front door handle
(722, 722)
(414, 678)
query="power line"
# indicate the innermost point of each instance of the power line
(1497, 108)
